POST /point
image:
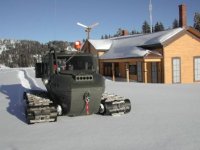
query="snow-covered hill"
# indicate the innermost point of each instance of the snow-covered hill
(163, 117)
(6, 44)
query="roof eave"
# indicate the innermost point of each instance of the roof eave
(151, 46)
(122, 58)
(102, 50)
(175, 37)
(194, 31)
(153, 57)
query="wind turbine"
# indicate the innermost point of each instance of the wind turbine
(88, 28)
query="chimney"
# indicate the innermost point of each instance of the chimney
(182, 16)
(124, 32)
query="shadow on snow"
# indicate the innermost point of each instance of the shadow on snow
(15, 93)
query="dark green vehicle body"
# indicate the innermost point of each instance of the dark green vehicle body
(71, 79)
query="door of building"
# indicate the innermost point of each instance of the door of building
(139, 71)
(107, 69)
(154, 72)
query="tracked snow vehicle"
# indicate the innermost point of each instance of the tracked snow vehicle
(74, 88)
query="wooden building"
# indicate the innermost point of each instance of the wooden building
(171, 56)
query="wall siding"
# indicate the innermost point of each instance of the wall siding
(186, 47)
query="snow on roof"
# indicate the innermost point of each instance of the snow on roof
(148, 39)
(163, 36)
(101, 44)
(129, 46)
(123, 51)
(137, 39)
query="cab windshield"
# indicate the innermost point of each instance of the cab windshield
(76, 63)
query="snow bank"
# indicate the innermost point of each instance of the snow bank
(28, 81)
(3, 67)
(23, 80)
(27, 71)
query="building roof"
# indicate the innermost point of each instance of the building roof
(130, 46)
(136, 39)
(135, 45)
(148, 39)
(101, 44)
(123, 51)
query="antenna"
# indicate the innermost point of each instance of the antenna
(150, 13)
(87, 28)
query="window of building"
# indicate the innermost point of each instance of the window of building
(133, 69)
(197, 69)
(176, 70)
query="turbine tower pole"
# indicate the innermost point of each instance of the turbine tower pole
(87, 28)
(88, 32)
(150, 13)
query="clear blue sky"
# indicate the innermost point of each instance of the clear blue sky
(45, 20)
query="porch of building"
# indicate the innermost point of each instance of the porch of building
(133, 69)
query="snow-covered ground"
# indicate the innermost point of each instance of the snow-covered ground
(163, 117)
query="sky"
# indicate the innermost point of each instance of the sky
(47, 20)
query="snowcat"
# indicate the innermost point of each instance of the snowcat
(74, 88)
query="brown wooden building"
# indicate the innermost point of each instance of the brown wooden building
(171, 56)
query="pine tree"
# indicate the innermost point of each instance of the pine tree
(119, 32)
(159, 27)
(156, 27)
(106, 36)
(197, 21)
(146, 27)
(175, 24)
(162, 28)
(134, 32)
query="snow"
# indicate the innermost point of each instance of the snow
(163, 117)
(101, 44)
(3, 66)
(137, 39)
(5, 44)
(148, 39)
(23, 80)
(125, 51)
(164, 37)
(2, 48)
(129, 46)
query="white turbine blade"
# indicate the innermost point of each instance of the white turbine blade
(82, 25)
(93, 25)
